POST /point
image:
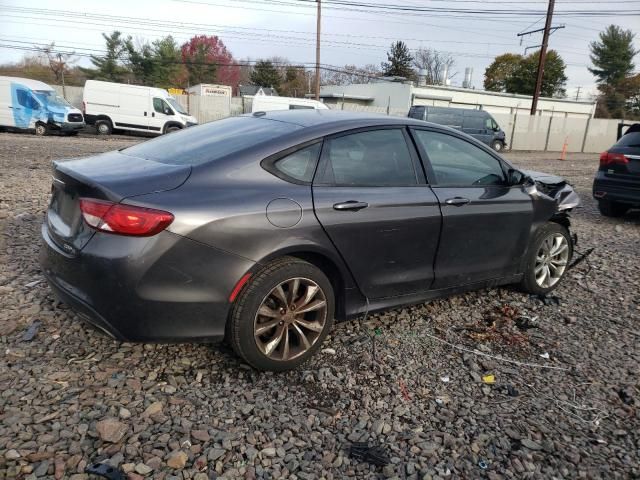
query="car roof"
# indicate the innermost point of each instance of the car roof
(29, 83)
(333, 118)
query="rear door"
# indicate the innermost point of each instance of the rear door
(486, 223)
(371, 197)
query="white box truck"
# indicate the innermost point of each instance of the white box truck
(27, 104)
(135, 108)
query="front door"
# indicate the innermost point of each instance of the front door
(161, 112)
(486, 222)
(372, 200)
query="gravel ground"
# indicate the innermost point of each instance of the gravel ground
(412, 380)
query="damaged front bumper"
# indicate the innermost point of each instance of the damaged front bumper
(553, 188)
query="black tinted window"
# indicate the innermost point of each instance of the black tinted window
(160, 106)
(301, 164)
(416, 112)
(373, 158)
(474, 122)
(211, 141)
(629, 140)
(451, 119)
(457, 162)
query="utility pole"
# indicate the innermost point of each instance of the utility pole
(62, 65)
(578, 93)
(543, 54)
(318, 51)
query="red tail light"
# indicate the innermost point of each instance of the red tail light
(123, 219)
(607, 158)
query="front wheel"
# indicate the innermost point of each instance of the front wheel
(547, 259)
(41, 129)
(171, 129)
(282, 315)
(497, 145)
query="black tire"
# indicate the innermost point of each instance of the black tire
(104, 127)
(497, 145)
(612, 209)
(240, 329)
(529, 283)
(41, 129)
(171, 129)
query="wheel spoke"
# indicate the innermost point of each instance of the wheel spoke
(313, 326)
(272, 344)
(293, 290)
(542, 277)
(316, 305)
(263, 328)
(267, 312)
(278, 292)
(308, 296)
(548, 275)
(303, 337)
(538, 268)
(560, 249)
(285, 347)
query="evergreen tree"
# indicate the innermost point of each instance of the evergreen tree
(399, 61)
(265, 74)
(109, 66)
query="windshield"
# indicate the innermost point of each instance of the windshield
(174, 103)
(51, 99)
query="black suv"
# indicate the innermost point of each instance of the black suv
(617, 183)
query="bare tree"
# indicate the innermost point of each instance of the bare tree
(435, 63)
(350, 74)
(58, 62)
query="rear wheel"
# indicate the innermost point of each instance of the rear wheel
(282, 315)
(41, 129)
(497, 145)
(612, 209)
(103, 127)
(547, 260)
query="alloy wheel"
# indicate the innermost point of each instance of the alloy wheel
(290, 319)
(551, 260)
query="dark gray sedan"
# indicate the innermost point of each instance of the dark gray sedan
(264, 228)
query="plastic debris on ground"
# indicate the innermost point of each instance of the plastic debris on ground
(490, 379)
(545, 355)
(105, 470)
(32, 331)
(373, 454)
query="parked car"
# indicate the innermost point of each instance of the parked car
(27, 104)
(269, 103)
(477, 123)
(264, 228)
(616, 186)
(134, 108)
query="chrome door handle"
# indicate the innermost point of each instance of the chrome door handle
(350, 205)
(457, 201)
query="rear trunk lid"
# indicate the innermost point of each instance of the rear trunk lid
(111, 176)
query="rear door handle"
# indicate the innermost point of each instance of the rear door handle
(145, 114)
(350, 205)
(457, 201)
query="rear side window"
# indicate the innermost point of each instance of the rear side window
(371, 158)
(629, 140)
(298, 165)
(211, 141)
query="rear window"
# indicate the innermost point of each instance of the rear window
(211, 141)
(629, 140)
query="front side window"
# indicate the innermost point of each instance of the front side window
(160, 106)
(457, 162)
(26, 100)
(300, 164)
(371, 158)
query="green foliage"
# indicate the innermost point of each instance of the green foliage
(612, 56)
(399, 61)
(110, 66)
(612, 59)
(514, 73)
(265, 74)
(503, 67)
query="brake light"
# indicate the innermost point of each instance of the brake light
(608, 158)
(123, 219)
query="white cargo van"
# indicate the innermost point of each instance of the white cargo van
(120, 106)
(27, 104)
(266, 103)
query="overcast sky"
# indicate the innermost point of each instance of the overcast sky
(286, 28)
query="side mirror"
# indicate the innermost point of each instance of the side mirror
(167, 111)
(516, 177)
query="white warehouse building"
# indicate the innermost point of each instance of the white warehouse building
(398, 97)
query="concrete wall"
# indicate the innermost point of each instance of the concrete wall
(72, 94)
